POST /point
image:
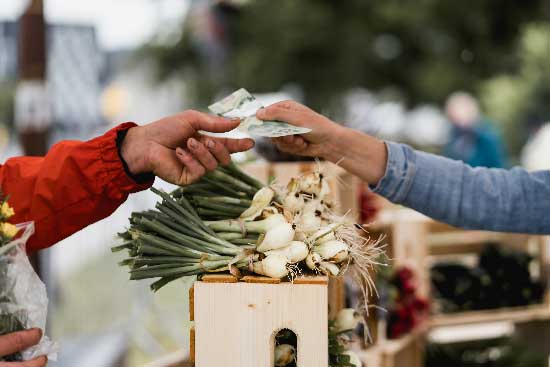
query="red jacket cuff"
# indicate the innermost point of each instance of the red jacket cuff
(119, 181)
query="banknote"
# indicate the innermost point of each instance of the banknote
(241, 104)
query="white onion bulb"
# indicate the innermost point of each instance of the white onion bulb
(312, 260)
(334, 250)
(295, 252)
(308, 223)
(310, 183)
(273, 266)
(347, 319)
(276, 237)
(293, 202)
(285, 354)
(329, 268)
(261, 200)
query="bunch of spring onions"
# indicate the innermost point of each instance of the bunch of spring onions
(230, 222)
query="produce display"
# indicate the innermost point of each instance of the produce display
(402, 308)
(231, 222)
(499, 271)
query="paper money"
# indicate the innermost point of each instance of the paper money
(241, 104)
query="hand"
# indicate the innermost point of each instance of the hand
(314, 144)
(19, 341)
(173, 149)
(360, 154)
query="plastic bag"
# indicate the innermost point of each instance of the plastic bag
(23, 299)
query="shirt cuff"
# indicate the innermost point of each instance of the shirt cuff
(120, 181)
(399, 174)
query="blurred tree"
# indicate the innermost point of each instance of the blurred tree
(519, 101)
(425, 49)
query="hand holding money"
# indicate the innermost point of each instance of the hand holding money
(358, 153)
(243, 105)
(316, 143)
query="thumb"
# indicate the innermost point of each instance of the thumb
(211, 123)
(282, 111)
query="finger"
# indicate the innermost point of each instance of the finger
(193, 169)
(219, 151)
(202, 154)
(290, 140)
(41, 361)
(284, 111)
(236, 145)
(298, 146)
(206, 122)
(15, 342)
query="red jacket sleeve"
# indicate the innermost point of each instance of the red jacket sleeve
(74, 185)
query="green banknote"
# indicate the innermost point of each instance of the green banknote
(241, 104)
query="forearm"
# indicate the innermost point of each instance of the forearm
(455, 193)
(74, 185)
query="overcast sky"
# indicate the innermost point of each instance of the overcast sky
(119, 23)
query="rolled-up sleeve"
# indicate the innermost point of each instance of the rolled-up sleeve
(476, 198)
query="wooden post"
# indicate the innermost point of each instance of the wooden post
(32, 109)
(236, 323)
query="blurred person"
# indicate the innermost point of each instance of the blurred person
(447, 190)
(79, 183)
(472, 140)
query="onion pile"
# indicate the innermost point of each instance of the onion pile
(230, 222)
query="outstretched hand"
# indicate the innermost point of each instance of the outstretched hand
(313, 144)
(361, 154)
(174, 149)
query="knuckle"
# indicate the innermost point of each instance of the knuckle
(18, 341)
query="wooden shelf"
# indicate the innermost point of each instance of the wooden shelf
(519, 314)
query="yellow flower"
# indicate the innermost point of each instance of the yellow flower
(6, 210)
(8, 230)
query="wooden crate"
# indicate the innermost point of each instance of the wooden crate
(242, 318)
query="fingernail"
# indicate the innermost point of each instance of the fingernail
(260, 112)
(193, 143)
(39, 331)
(210, 144)
(235, 119)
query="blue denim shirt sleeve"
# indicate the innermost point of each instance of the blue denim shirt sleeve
(473, 198)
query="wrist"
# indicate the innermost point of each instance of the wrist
(133, 151)
(334, 149)
(359, 153)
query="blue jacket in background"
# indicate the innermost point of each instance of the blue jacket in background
(479, 146)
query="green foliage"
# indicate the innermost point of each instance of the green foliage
(520, 99)
(336, 349)
(425, 49)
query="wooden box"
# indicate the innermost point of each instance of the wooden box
(236, 322)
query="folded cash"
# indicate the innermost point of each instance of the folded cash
(241, 104)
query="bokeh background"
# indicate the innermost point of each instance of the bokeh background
(384, 67)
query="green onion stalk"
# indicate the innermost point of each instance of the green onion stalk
(174, 240)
